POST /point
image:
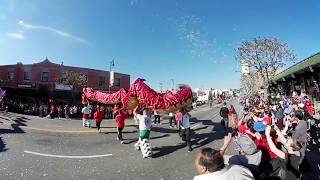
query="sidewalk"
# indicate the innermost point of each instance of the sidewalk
(58, 126)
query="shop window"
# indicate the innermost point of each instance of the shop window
(117, 82)
(45, 76)
(102, 80)
(27, 76)
(10, 75)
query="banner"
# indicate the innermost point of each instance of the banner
(2, 94)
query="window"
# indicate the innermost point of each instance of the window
(102, 80)
(117, 82)
(10, 75)
(45, 76)
(26, 76)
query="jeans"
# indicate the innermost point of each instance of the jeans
(120, 133)
(186, 136)
(225, 122)
(172, 119)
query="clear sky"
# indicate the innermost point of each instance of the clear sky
(190, 41)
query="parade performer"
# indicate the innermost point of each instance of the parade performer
(85, 116)
(185, 128)
(145, 123)
(98, 117)
(120, 117)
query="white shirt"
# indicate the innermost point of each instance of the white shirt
(171, 114)
(86, 110)
(231, 172)
(144, 122)
(185, 121)
(155, 113)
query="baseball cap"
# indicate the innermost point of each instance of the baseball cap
(259, 126)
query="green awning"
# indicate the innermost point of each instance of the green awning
(303, 65)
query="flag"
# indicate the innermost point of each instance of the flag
(2, 94)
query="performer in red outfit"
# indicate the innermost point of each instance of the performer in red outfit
(120, 117)
(98, 117)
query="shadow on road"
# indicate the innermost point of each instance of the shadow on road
(165, 150)
(202, 139)
(15, 127)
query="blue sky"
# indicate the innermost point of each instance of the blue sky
(190, 41)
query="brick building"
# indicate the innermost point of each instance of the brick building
(39, 79)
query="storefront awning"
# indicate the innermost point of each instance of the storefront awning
(301, 66)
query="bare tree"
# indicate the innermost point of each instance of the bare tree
(251, 84)
(74, 80)
(265, 55)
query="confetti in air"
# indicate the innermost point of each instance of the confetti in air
(191, 30)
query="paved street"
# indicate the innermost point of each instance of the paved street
(35, 155)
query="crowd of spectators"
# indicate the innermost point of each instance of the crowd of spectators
(270, 137)
(49, 109)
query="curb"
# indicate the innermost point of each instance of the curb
(8, 122)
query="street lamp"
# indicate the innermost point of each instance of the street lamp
(111, 81)
(161, 84)
(172, 80)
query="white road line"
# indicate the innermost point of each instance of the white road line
(69, 157)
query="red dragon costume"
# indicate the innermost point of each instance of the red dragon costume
(141, 94)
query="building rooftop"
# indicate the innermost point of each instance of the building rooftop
(312, 61)
(47, 61)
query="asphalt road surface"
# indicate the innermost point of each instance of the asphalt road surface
(33, 156)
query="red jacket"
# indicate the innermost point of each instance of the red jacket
(98, 116)
(120, 117)
(309, 107)
(267, 120)
(263, 145)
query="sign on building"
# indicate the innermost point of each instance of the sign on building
(111, 78)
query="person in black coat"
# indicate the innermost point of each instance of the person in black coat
(224, 114)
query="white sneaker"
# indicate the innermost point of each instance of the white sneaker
(121, 142)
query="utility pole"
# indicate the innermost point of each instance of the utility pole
(161, 84)
(111, 66)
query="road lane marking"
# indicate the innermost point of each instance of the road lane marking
(68, 157)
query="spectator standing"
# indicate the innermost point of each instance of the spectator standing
(67, 111)
(53, 112)
(41, 111)
(156, 117)
(300, 132)
(224, 114)
(288, 161)
(60, 112)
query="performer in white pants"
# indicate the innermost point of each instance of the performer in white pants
(86, 116)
